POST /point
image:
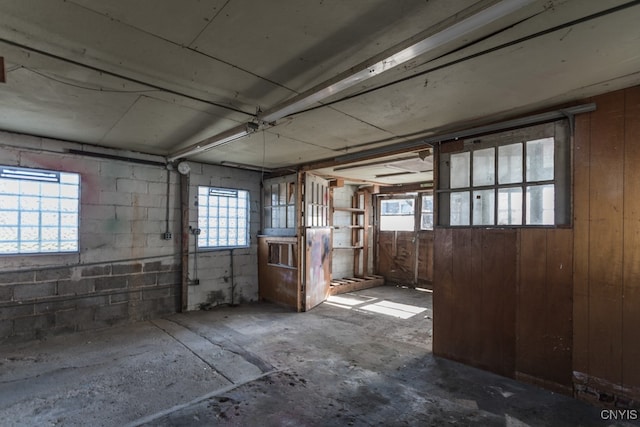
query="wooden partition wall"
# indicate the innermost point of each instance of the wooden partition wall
(557, 307)
(606, 351)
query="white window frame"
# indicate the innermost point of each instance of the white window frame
(560, 182)
(216, 221)
(39, 211)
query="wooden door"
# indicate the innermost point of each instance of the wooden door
(397, 250)
(405, 238)
(317, 241)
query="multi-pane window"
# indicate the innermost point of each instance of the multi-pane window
(426, 216)
(397, 214)
(38, 211)
(516, 178)
(223, 217)
(279, 210)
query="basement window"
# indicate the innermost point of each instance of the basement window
(223, 218)
(515, 178)
(39, 211)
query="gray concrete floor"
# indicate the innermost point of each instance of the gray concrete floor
(360, 359)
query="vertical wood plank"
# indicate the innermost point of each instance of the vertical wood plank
(508, 291)
(498, 295)
(605, 238)
(463, 293)
(581, 222)
(443, 300)
(532, 303)
(476, 341)
(631, 290)
(559, 307)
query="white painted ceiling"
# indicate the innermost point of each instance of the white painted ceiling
(158, 75)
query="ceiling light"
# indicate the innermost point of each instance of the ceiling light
(215, 141)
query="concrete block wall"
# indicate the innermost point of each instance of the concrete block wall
(214, 266)
(124, 270)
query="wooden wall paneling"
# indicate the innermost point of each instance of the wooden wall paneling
(386, 253)
(509, 263)
(443, 299)
(581, 222)
(559, 326)
(499, 258)
(277, 284)
(631, 289)
(464, 297)
(532, 303)
(425, 257)
(605, 238)
(476, 341)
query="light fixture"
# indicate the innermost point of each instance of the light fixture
(392, 58)
(184, 168)
(215, 141)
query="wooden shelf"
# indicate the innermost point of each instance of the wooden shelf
(352, 210)
(348, 247)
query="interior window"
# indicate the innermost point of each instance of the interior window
(513, 178)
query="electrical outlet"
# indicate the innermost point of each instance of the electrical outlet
(166, 236)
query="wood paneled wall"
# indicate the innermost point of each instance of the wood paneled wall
(475, 297)
(544, 308)
(557, 307)
(606, 353)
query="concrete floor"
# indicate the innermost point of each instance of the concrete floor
(361, 359)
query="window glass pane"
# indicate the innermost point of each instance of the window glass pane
(282, 217)
(275, 191)
(426, 221)
(540, 159)
(224, 215)
(291, 217)
(31, 206)
(427, 203)
(510, 164)
(460, 208)
(397, 215)
(460, 168)
(483, 207)
(510, 206)
(541, 205)
(9, 218)
(484, 167)
(397, 223)
(283, 194)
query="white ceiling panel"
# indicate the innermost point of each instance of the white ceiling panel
(300, 44)
(160, 125)
(44, 103)
(178, 21)
(265, 145)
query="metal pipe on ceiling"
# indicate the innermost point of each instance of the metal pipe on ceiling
(480, 130)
